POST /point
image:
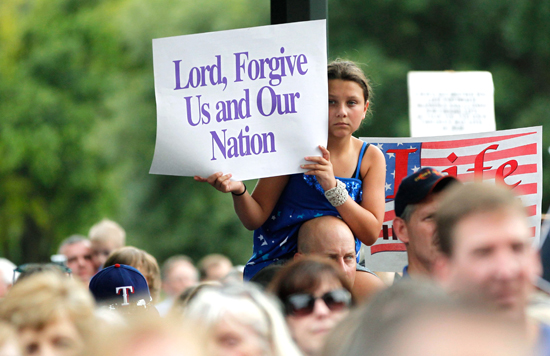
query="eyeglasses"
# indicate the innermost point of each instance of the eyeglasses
(27, 269)
(303, 304)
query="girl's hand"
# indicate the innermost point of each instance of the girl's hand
(322, 169)
(223, 183)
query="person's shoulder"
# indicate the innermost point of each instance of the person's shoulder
(373, 157)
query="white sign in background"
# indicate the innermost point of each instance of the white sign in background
(251, 102)
(448, 103)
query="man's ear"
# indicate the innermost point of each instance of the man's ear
(298, 255)
(400, 230)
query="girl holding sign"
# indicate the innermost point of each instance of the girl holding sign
(347, 180)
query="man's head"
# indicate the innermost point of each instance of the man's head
(78, 251)
(416, 202)
(487, 254)
(106, 236)
(330, 237)
(178, 273)
(123, 288)
(214, 267)
(141, 260)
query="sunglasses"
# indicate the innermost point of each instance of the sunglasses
(303, 304)
(27, 269)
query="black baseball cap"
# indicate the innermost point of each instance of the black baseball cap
(417, 186)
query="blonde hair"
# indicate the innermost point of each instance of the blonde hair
(108, 230)
(40, 299)
(147, 336)
(142, 261)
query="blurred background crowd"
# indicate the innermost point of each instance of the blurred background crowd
(475, 296)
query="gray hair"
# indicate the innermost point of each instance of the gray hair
(408, 211)
(247, 305)
(73, 239)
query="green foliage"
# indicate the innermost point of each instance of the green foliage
(52, 179)
(79, 125)
(508, 38)
(79, 120)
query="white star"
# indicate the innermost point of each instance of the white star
(399, 144)
(380, 146)
(273, 217)
(388, 186)
(415, 168)
(391, 155)
(411, 147)
(393, 174)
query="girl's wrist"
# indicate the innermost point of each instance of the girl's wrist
(239, 194)
(337, 195)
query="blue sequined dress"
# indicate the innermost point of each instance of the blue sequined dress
(302, 199)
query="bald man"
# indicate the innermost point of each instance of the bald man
(331, 237)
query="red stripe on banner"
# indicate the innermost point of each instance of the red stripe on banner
(490, 155)
(390, 233)
(387, 248)
(525, 189)
(490, 174)
(470, 142)
(389, 215)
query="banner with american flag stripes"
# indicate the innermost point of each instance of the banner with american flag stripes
(512, 157)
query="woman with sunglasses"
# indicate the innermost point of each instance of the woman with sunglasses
(316, 297)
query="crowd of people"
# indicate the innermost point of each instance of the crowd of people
(467, 289)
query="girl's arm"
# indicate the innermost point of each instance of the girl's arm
(365, 219)
(252, 209)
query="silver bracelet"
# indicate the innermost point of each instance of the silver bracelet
(337, 195)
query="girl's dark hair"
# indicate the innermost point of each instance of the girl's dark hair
(305, 275)
(348, 70)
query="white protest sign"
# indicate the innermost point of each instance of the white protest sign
(511, 157)
(449, 103)
(251, 102)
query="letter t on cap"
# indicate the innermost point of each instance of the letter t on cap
(125, 293)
